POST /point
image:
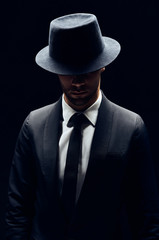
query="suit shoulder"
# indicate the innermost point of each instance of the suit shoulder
(42, 112)
(123, 111)
(38, 117)
(126, 117)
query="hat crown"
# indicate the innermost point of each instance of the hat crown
(75, 39)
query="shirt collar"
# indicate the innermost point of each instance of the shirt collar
(91, 113)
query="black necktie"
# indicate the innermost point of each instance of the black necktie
(72, 161)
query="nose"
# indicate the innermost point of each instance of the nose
(78, 80)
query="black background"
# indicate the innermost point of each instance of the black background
(130, 81)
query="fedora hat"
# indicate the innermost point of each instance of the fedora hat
(76, 46)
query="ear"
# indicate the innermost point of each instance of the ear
(102, 69)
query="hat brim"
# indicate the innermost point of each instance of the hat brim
(109, 53)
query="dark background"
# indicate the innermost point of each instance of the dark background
(130, 81)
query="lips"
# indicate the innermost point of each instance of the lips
(78, 92)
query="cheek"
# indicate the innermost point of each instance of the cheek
(93, 85)
(65, 84)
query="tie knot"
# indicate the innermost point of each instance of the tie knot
(77, 120)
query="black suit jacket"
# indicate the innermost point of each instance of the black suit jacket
(119, 191)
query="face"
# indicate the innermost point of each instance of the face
(81, 91)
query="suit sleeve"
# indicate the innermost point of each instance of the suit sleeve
(21, 192)
(142, 190)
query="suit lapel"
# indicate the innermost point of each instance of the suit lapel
(102, 132)
(50, 145)
(100, 143)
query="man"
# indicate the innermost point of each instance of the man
(86, 178)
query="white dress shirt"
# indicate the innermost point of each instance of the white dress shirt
(87, 135)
